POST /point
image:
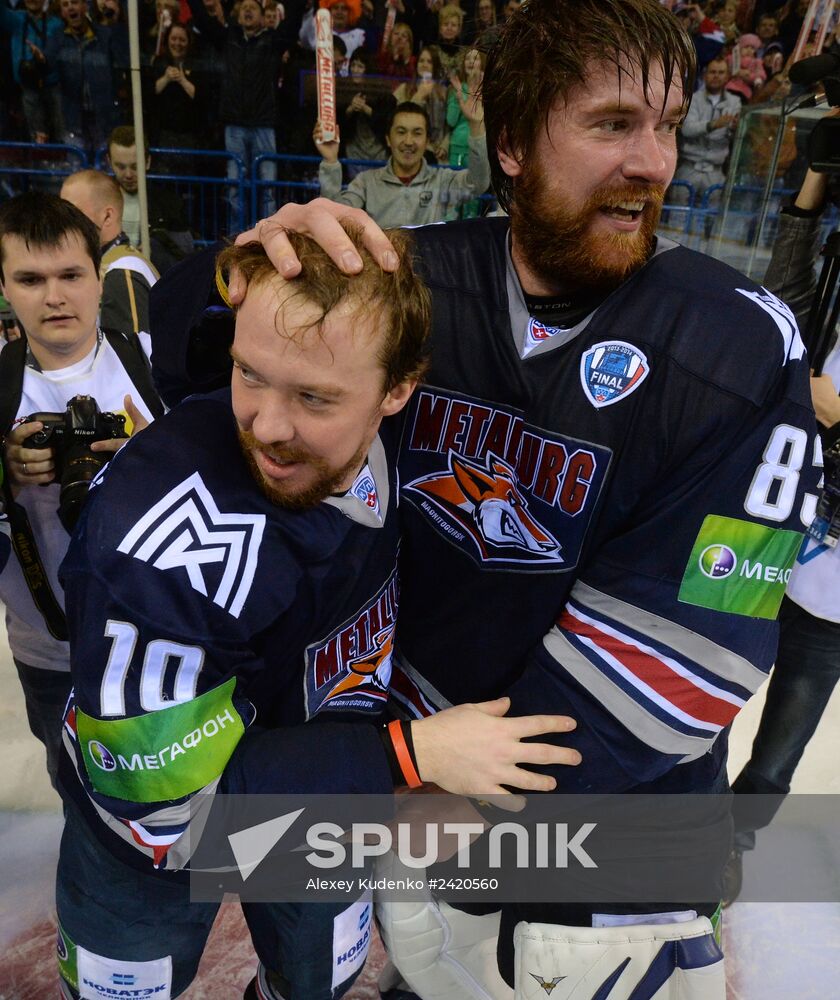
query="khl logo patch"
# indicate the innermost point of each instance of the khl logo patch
(364, 489)
(611, 370)
(537, 333)
(187, 530)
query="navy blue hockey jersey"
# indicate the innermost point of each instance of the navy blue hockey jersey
(208, 625)
(600, 521)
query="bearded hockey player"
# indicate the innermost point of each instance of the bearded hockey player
(611, 467)
(231, 596)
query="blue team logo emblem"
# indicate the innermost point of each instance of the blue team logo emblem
(61, 947)
(611, 370)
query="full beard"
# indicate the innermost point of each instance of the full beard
(327, 481)
(556, 242)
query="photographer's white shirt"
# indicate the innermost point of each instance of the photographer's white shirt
(102, 376)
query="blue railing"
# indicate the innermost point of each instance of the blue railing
(221, 197)
(43, 166)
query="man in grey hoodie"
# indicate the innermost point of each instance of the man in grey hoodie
(407, 191)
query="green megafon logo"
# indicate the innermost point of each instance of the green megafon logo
(717, 561)
(751, 582)
(101, 756)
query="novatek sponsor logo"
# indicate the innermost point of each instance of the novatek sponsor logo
(123, 991)
(360, 946)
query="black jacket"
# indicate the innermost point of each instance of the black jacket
(252, 66)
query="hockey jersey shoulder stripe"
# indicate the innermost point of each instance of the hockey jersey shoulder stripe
(664, 680)
(157, 843)
(782, 316)
(664, 733)
(705, 676)
(730, 669)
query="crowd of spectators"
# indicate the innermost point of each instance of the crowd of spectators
(744, 51)
(239, 76)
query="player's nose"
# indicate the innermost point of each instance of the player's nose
(273, 423)
(647, 158)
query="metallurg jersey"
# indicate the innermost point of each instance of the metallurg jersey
(219, 640)
(614, 508)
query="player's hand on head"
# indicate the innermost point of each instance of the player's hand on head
(476, 750)
(321, 220)
(26, 466)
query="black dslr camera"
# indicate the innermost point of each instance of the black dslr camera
(70, 435)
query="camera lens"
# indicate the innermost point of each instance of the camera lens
(78, 473)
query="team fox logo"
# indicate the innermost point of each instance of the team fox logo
(372, 672)
(488, 504)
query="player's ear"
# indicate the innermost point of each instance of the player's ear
(396, 397)
(508, 160)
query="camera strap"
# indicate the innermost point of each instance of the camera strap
(12, 364)
(129, 350)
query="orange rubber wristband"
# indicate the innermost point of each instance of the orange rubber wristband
(412, 778)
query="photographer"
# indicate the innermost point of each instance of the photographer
(28, 29)
(49, 272)
(808, 662)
